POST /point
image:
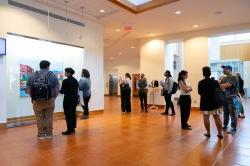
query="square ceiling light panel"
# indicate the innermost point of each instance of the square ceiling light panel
(139, 2)
(139, 6)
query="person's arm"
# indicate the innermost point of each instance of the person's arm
(200, 89)
(137, 85)
(57, 86)
(81, 84)
(62, 91)
(29, 84)
(146, 84)
(162, 83)
(184, 87)
(231, 81)
(225, 86)
(171, 84)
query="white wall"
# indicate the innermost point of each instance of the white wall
(23, 22)
(195, 57)
(152, 59)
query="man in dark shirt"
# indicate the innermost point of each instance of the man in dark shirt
(229, 85)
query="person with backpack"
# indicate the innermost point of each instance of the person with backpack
(185, 99)
(43, 87)
(208, 104)
(142, 86)
(167, 91)
(70, 90)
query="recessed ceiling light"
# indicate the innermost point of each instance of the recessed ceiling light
(117, 30)
(111, 58)
(120, 53)
(132, 47)
(218, 12)
(102, 11)
(178, 12)
(195, 26)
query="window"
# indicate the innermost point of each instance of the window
(243, 36)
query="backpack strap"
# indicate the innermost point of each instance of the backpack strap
(36, 77)
(47, 77)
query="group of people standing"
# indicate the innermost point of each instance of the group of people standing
(43, 87)
(229, 89)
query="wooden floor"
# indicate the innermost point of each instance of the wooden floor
(136, 139)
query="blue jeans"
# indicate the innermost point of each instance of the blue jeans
(229, 110)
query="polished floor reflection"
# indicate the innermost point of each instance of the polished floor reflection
(136, 139)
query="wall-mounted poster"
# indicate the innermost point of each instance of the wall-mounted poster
(25, 71)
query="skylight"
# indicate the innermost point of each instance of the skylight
(139, 2)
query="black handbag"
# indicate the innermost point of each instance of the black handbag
(220, 97)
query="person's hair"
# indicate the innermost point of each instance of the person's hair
(181, 74)
(44, 64)
(128, 75)
(167, 73)
(85, 73)
(206, 71)
(70, 71)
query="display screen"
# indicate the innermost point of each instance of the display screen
(2, 46)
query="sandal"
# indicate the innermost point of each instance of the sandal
(207, 135)
(220, 136)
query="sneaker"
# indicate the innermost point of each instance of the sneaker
(164, 113)
(232, 131)
(66, 133)
(41, 137)
(84, 117)
(49, 136)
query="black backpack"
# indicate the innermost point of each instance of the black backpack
(40, 88)
(175, 88)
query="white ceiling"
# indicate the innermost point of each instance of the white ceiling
(162, 20)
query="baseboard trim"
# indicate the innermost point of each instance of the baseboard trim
(2, 126)
(28, 120)
(195, 108)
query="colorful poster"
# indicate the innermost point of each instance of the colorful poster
(59, 75)
(25, 72)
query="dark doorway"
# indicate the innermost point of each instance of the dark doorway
(113, 85)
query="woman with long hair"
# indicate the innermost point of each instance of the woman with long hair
(85, 87)
(125, 87)
(185, 99)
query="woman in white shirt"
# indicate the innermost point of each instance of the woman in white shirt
(185, 99)
(125, 87)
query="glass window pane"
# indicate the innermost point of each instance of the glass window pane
(243, 36)
(227, 38)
